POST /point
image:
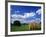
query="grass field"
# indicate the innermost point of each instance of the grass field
(20, 28)
(25, 28)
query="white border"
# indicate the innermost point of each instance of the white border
(24, 32)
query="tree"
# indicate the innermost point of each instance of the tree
(17, 23)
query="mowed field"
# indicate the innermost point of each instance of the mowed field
(28, 27)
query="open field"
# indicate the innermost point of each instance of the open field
(20, 28)
(25, 28)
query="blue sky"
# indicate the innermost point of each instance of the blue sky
(25, 14)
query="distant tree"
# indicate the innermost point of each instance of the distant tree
(17, 23)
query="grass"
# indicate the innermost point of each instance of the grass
(25, 28)
(20, 28)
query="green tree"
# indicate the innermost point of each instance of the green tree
(17, 23)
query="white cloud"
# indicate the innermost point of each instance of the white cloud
(29, 14)
(12, 20)
(21, 17)
(38, 11)
(26, 15)
(16, 17)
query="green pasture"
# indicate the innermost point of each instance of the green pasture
(24, 28)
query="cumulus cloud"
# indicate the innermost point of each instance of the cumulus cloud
(29, 14)
(26, 15)
(21, 17)
(16, 16)
(38, 11)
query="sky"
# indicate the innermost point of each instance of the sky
(25, 14)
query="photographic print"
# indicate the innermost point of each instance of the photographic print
(25, 18)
